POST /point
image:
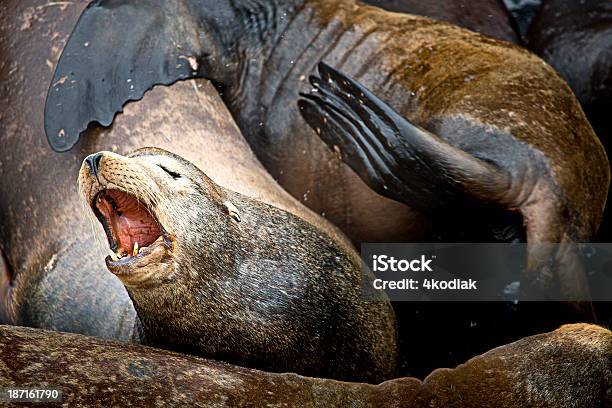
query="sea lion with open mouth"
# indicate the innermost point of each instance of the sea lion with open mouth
(52, 273)
(213, 272)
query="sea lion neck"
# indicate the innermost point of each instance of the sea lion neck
(259, 29)
(229, 30)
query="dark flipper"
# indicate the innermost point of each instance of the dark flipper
(409, 164)
(393, 156)
(118, 50)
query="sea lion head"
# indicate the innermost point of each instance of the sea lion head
(148, 202)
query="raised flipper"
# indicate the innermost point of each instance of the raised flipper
(409, 164)
(118, 50)
(393, 156)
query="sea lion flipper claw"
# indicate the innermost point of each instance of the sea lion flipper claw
(337, 129)
(118, 50)
(392, 155)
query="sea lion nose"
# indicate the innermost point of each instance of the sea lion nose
(93, 162)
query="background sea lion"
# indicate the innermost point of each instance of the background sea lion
(387, 150)
(54, 276)
(575, 37)
(215, 273)
(488, 17)
(515, 375)
(260, 53)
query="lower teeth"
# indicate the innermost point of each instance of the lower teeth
(117, 256)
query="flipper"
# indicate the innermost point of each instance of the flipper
(118, 50)
(409, 164)
(392, 155)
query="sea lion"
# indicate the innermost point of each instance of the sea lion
(574, 37)
(515, 375)
(213, 272)
(52, 275)
(488, 17)
(455, 187)
(473, 92)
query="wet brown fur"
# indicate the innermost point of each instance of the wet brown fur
(570, 367)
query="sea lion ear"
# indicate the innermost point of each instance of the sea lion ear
(393, 156)
(118, 50)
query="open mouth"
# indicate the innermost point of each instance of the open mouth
(132, 231)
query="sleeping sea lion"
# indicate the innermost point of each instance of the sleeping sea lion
(216, 273)
(569, 367)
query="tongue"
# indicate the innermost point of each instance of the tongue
(129, 219)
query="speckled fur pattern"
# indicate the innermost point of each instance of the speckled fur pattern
(270, 291)
(570, 367)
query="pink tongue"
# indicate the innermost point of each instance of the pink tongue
(130, 230)
(130, 221)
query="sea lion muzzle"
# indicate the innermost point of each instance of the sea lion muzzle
(93, 161)
(135, 236)
(129, 225)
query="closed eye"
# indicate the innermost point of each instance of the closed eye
(173, 174)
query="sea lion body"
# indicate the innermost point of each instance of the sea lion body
(53, 273)
(484, 105)
(234, 279)
(51, 276)
(489, 17)
(514, 375)
(574, 37)
(488, 98)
